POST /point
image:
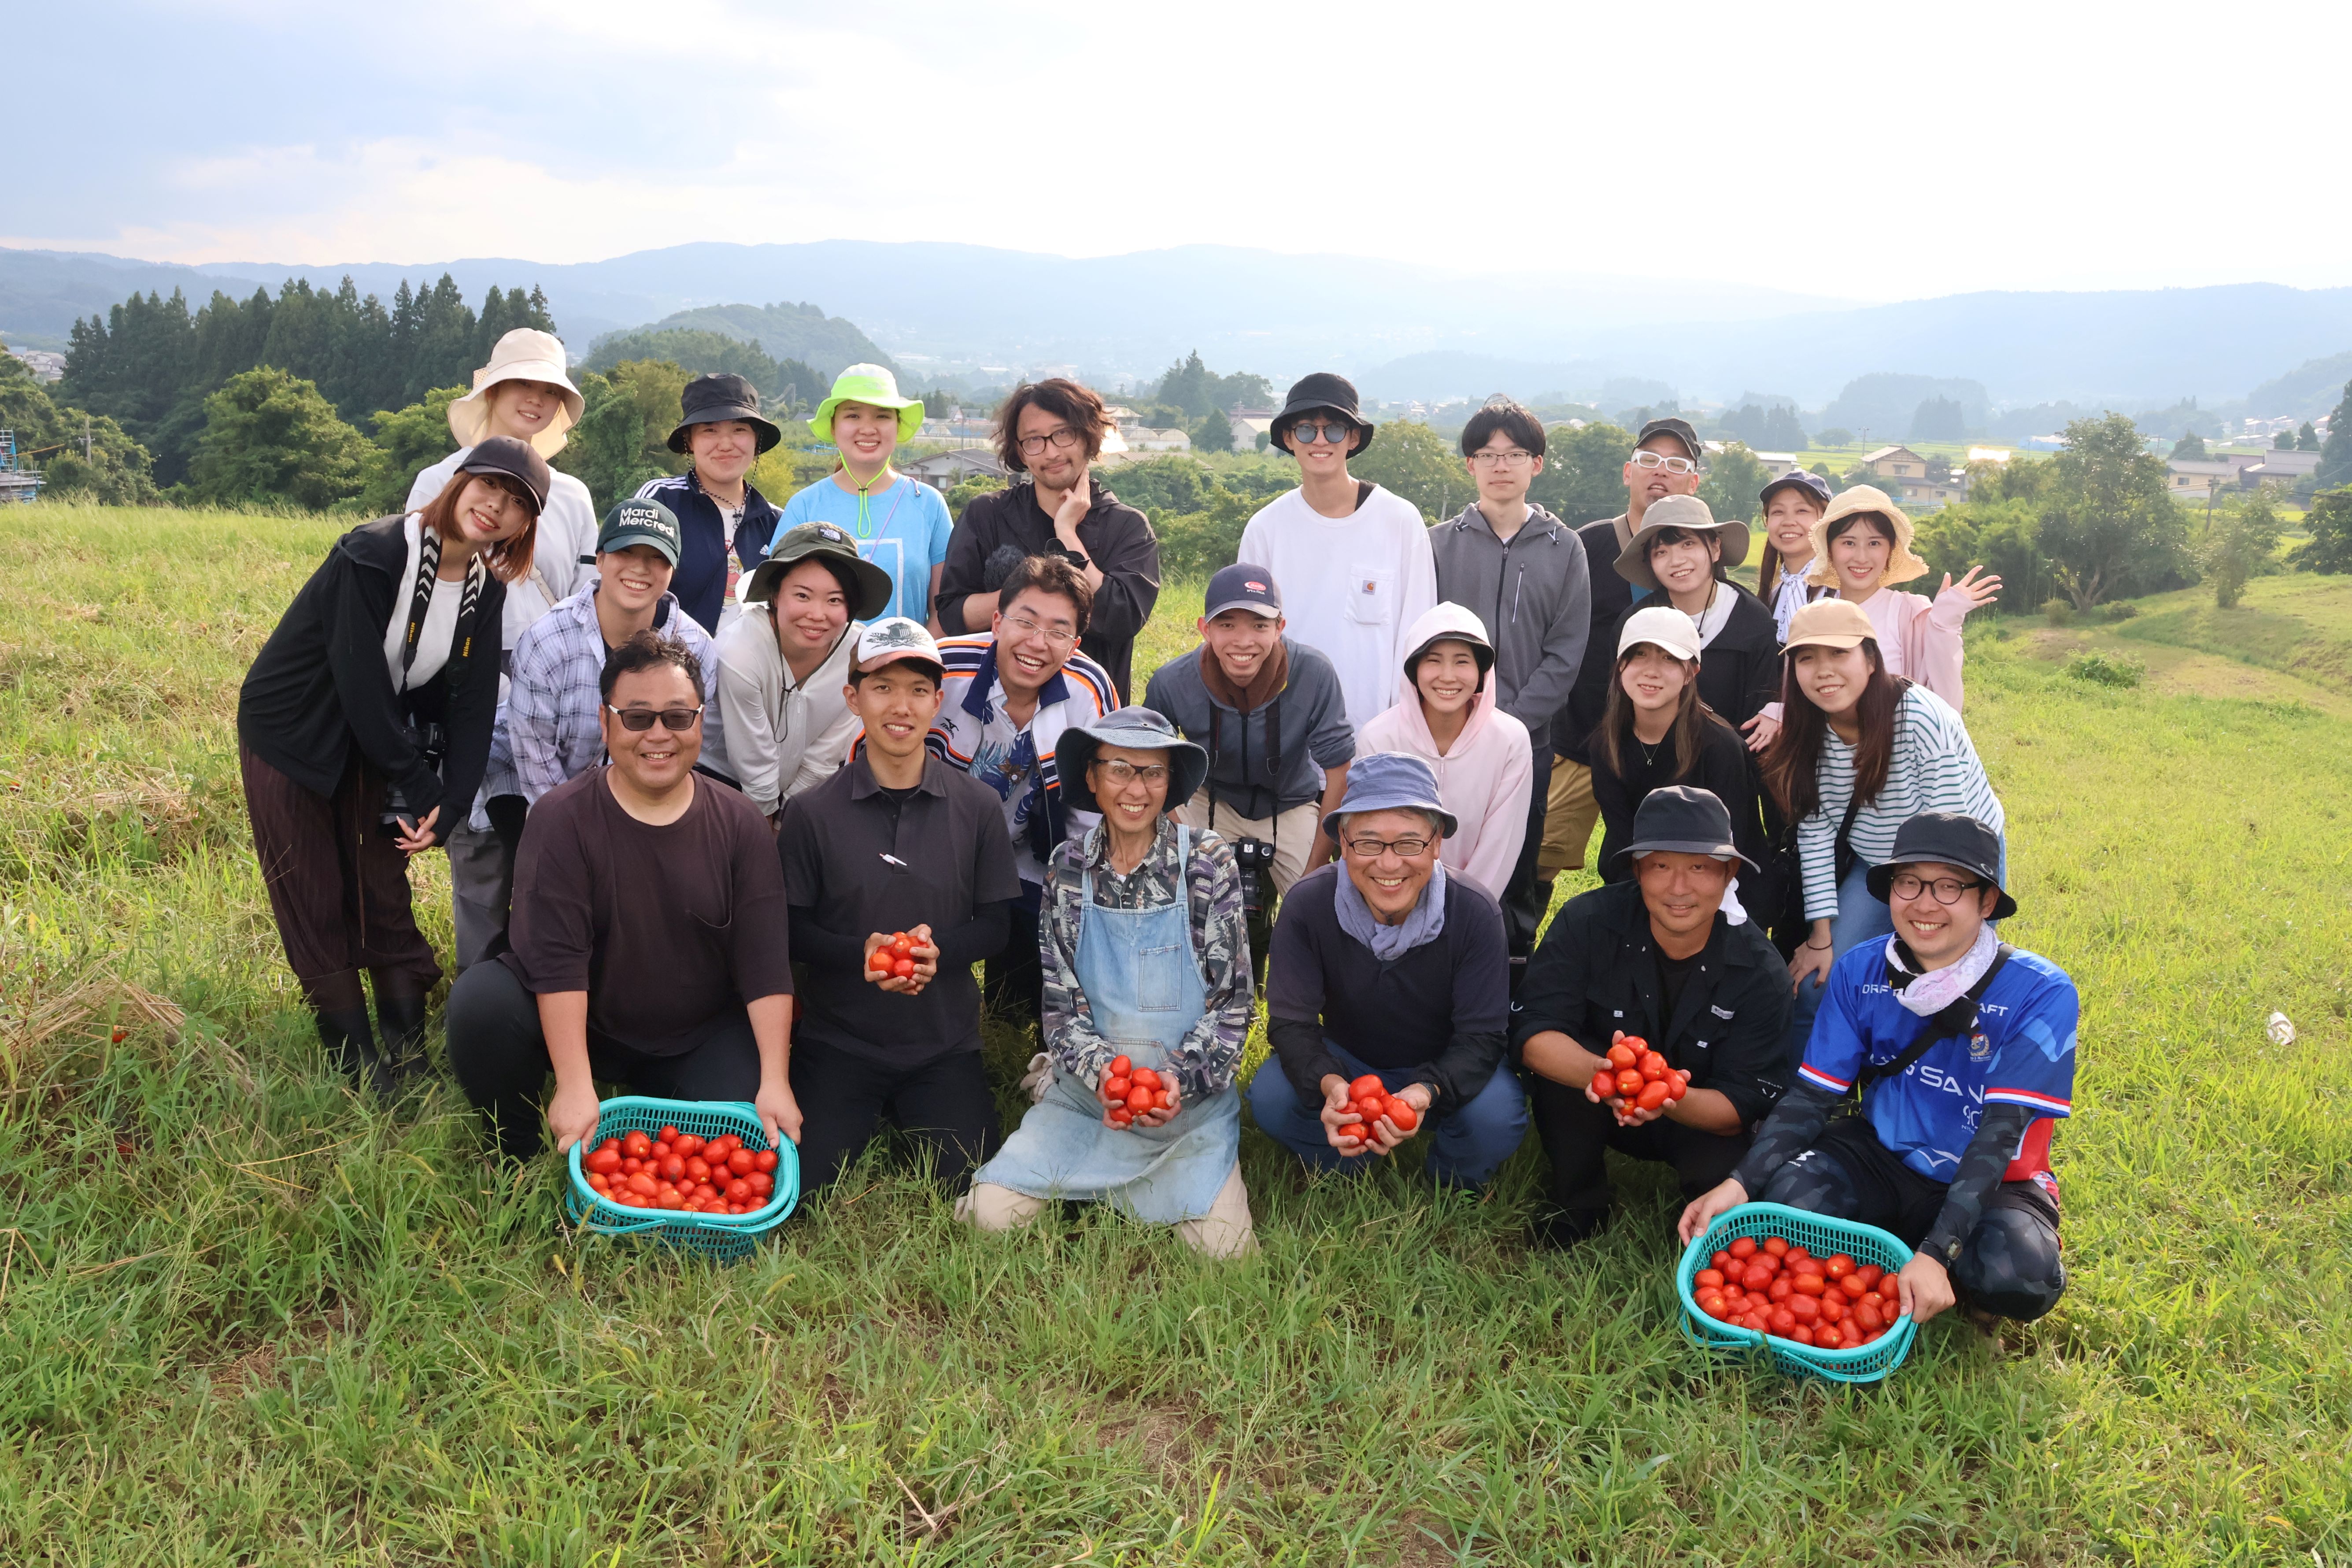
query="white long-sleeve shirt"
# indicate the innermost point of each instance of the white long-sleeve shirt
(783, 736)
(1351, 585)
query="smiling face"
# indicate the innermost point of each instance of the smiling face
(809, 609)
(636, 577)
(523, 408)
(489, 509)
(1936, 934)
(1134, 804)
(1644, 486)
(1789, 519)
(1654, 679)
(657, 759)
(896, 703)
(1318, 458)
(1056, 468)
(1035, 635)
(1446, 677)
(1684, 561)
(1241, 641)
(723, 449)
(1681, 891)
(866, 434)
(1390, 881)
(1858, 555)
(1831, 679)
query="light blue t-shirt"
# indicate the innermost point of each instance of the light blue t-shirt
(905, 532)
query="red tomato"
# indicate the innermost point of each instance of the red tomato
(1709, 1276)
(1837, 1268)
(1801, 1334)
(1676, 1089)
(1744, 1247)
(1120, 1066)
(688, 1144)
(637, 1143)
(698, 1169)
(597, 1180)
(1754, 1276)
(1166, 1099)
(1139, 1098)
(1146, 1079)
(1829, 1337)
(1781, 1289)
(1758, 1321)
(1653, 1096)
(1888, 1290)
(902, 968)
(1654, 1068)
(1870, 1274)
(1806, 1308)
(705, 1192)
(1121, 1116)
(879, 961)
(1812, 1284)
(1366, 1086)
(1117, 1087)
(1623, 1056)
(1867, 1317)
(764, 1161)
(1853, 1288)
(1604, 1085)
(1833, 1307)
(737, 1190)
(1405, 1117)
(1782, 1321)
(1720, 1260)
(763, 1183)
(901, 945)
(1635, 1043)
(1717, 1308)
(631, 1165)
(739, 1160)
(645, 1186)
(603, 1162)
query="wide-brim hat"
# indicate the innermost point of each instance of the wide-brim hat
(875, 385)
(1318, 391)
(524, 355)
(1902, 565)
(1392, 781)
(1691, 516)
(1683, 819)
(1945, 838)
(818, 542)
(716, 398)
(1139, 729)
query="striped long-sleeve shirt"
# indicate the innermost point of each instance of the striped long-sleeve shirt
(1935, 768)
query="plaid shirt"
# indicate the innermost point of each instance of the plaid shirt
(547, 731)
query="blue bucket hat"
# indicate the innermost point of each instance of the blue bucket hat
(1139, 729)
(1392, 781)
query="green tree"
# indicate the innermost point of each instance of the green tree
(1213, 434)
(2189, 449)
(1835, 436)
(2329, 522)
(2107, 525)
(2284, 441)
(271, 440)
(1734, 479)
(1584, 472)
(2306, 439)
(406, 441)
(1419, 464)
(2335, 457)
(622, 438)
(2240, 543)
(111, 470)
(1940, 420)
(1193, 388)
(1999, 535)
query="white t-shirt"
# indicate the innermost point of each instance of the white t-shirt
(1351, 585)
(440, 629)
(563, 555)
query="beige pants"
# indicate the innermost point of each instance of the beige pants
(1225, 1231)
(1569, 812)
(1292, 834)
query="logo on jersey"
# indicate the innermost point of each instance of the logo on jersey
(1979, 1048)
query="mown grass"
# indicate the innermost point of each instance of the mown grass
(245, 1319)
(2298, 622)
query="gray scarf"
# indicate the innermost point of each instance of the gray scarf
(1929, 994)
(1425, 923)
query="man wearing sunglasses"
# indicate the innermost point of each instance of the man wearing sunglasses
(649, 932)
(1666, 460)
(1353, 559)
(1009, 694)
(1048, 432)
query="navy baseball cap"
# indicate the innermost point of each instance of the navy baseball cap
(1812, 484)
(1242, 587)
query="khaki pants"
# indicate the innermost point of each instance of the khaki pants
(1225, 1231)
(1292, 834)
(1568, 816)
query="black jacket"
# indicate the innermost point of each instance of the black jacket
(999, 527)
(1597, 971)
(1612, 596)
(1725, 770)
(319, 687)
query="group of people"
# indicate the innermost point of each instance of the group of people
(696, 763)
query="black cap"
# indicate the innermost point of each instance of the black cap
(1946, 839)
(1243, 587)
(1680, 429)
(516, 460)
(718, 397)
(1812, 484)
(1683, 819)
(1322, 389)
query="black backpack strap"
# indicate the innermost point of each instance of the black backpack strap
(1841, 855)
(1956, 1019)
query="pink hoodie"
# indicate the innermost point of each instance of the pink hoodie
(1485, 779)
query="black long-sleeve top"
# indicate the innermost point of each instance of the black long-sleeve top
(1001, 527)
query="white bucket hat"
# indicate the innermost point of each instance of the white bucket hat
(524, 355)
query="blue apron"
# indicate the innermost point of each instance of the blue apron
(1142, 980)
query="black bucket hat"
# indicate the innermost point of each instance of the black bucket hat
(719, 396)
(513, 459)
(1683, 819)
(1310, 393)
(819, 541)
(1141, 729)
(1946, 839)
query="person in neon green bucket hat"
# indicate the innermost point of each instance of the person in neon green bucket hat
(901, 524)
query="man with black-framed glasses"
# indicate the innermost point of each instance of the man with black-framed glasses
(649, 939)
(1046, 433)
(1009, 694)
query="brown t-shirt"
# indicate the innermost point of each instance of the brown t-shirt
(670, 929)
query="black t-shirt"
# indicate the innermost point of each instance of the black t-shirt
(1673, 975)
(1723, 768)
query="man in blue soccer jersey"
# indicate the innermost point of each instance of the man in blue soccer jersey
(1962, 1050)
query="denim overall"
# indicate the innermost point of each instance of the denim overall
(1142, 980)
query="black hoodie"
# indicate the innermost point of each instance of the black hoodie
(999, 527)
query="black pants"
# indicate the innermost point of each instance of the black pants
(1014, 986)
(1523, 896)
(499, 1054)
(2009, 1265)
(1577, 1134)
(944, 1106)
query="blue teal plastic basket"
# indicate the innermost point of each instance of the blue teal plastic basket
(1823, 1238)
(727, 1238)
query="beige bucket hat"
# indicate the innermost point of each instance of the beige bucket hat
(1902, 564)
(524, 355)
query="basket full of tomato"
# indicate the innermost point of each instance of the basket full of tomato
(1816, 1296)
(697, 1174)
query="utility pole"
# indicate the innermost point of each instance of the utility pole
(85, 437)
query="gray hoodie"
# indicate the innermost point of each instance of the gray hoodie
(1535, 593)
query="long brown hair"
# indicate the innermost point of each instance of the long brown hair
(1692, 716)
(508, 560)
(1792, 761)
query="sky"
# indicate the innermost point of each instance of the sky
(1857, 151)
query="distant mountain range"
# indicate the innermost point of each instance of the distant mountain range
(1404, 331)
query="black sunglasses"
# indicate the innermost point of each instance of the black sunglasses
(638, 720)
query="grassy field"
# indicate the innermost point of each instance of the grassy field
(245, 1319)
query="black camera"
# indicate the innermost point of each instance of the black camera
(432, 740)
(1256, 857)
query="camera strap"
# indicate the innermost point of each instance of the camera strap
(1273, 759)
(420, 601)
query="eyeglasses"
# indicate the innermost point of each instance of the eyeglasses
(1056, 638)
(1948, 890)
(1660, 460)
(1120, 773)
(1514, 458)
(1308, 432)
(1061, 439)
(636, 720)
(1373, 848)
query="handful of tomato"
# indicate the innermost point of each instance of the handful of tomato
(893, 958)
(1369, 1099)
(674, 1170)
(1639, 1077)
(1780, 1288)
(1140, 1088)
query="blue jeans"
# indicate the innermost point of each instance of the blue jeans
(1467, 1142)
(1860, 918)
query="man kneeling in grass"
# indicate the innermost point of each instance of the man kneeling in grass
(1962, 1049)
